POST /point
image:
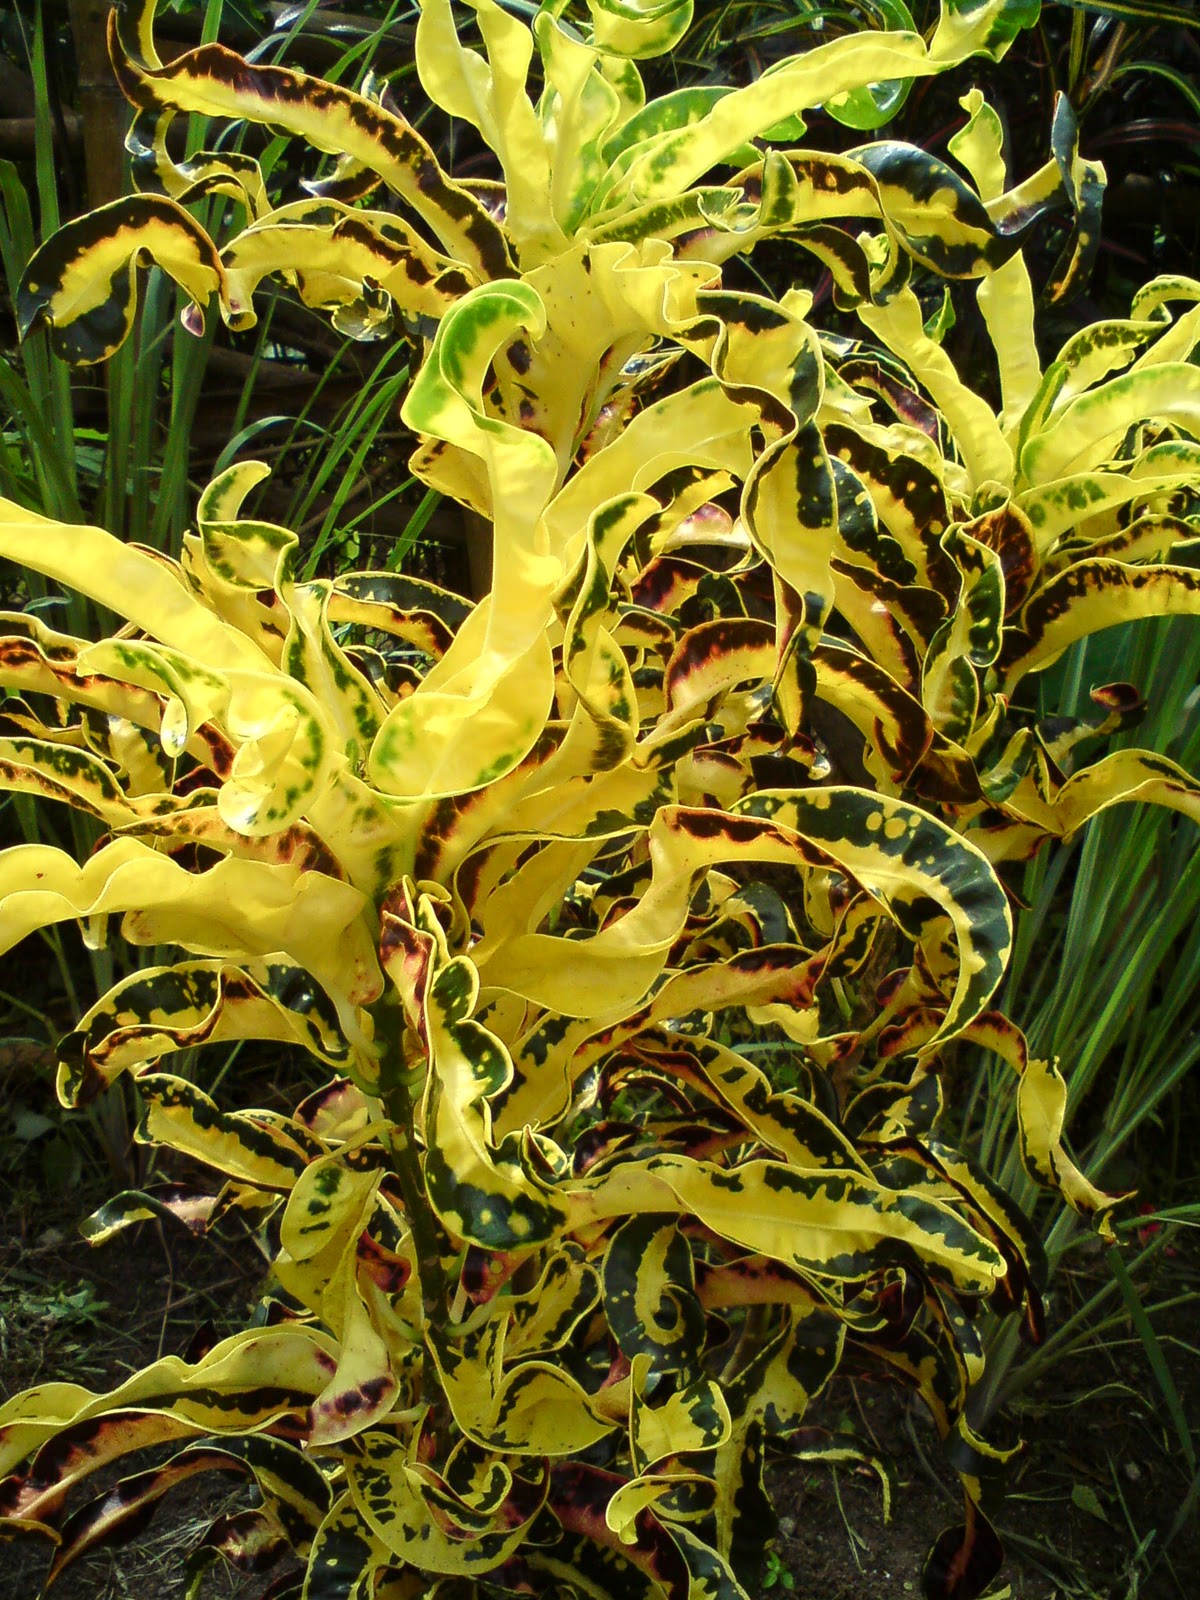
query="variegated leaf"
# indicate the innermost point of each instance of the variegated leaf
(212, 81)
(81, 282)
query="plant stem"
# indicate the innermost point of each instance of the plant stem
(396, 1090)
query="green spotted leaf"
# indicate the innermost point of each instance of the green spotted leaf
(81, 282)
(489, 91)
(251, 1148)
(153, 1013)
(639, 28)
(393, 1501)
(1089, 596)
(249, 1379)
(649, 1294)
(464, 728)
(829, 1224)
(171, 1203)
(490, 1197)
(1088, 429)
(211, 80)
(673, 160)
(690, 1420)
(362, 268)
(914, 865)
(533, 1407)
(344, 1554)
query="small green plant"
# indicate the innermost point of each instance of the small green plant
(43, 1329)
(776, 1573)
(554, 1262)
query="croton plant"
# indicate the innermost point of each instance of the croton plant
(730, 755)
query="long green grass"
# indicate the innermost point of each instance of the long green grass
(1105, 977)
